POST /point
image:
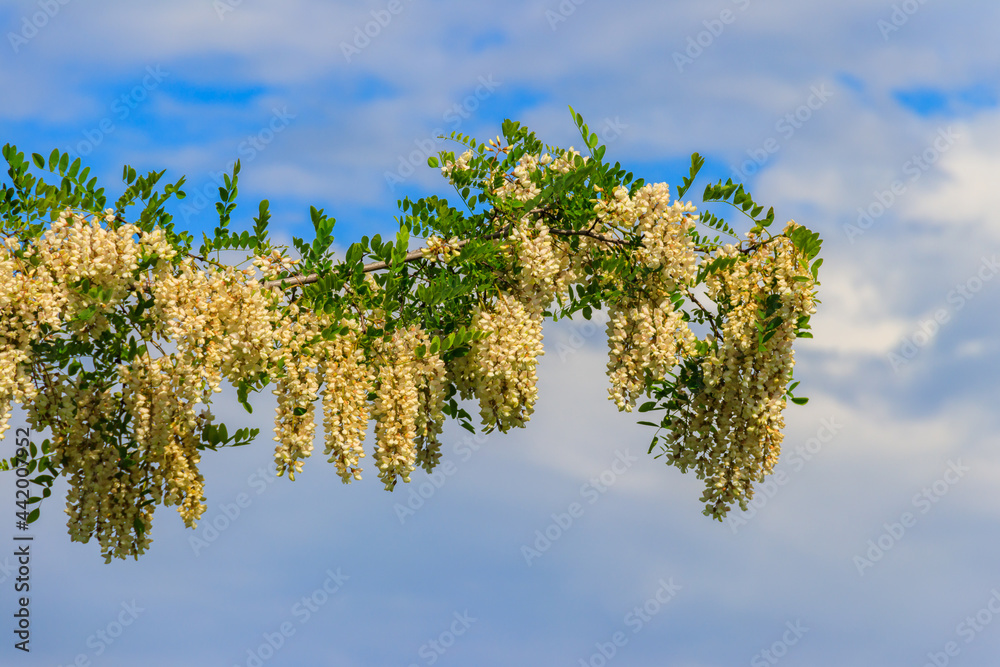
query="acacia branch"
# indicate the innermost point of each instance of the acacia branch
(587, 232)
(711, 322)
(411, 256)
(414, 255)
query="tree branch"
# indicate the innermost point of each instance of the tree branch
(711, 322)
(587, 232)
(414, 255)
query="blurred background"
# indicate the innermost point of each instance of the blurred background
(875, 543)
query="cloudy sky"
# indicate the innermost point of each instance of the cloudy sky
(876, 541)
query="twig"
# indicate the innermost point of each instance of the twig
(414, 255)
(381, 265)
(711, 322)
(585, 232)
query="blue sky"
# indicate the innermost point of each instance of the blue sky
(876, 542)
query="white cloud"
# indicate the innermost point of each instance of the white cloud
(967, 195)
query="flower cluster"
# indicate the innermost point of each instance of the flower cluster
(105, 495)
(646, 340)
(520, 183)
(440, 249)
(543, 269)
(78, 266)
(665, 229)
(219, 318)
(731, 433)
(273, 265)
(25, 305)
(647, 334)
(74, 250)
(500, 369)
(219, 322)
(347, 379)
(432, 390)
(410, 395)
(296, 388)
(161, 396)
(546, 268)
(460, 164)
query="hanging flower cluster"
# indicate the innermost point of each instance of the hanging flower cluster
(347, 379)
(25, 308)
(647, 333)
(408, 414)
(731, 430)
(500, 370)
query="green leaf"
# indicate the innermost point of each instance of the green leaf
(815, 267)
(800, 400)
(432, 161)
(354, 253)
